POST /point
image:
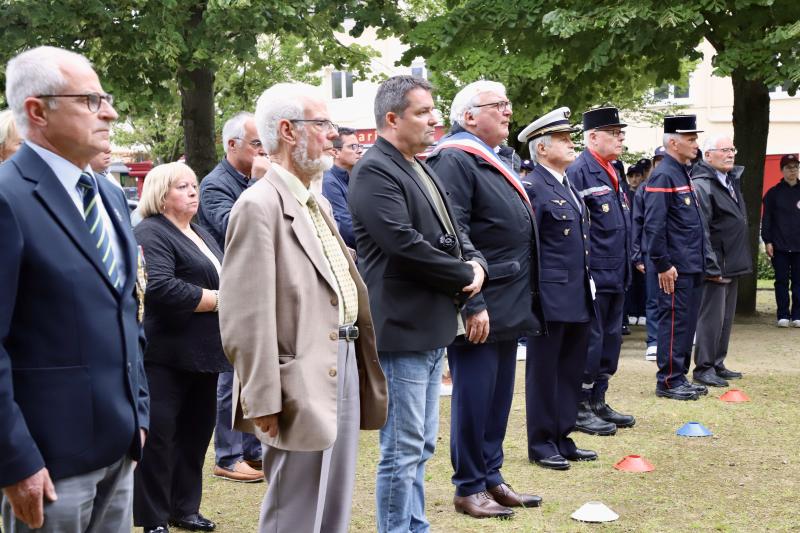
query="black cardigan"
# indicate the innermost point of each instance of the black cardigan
(177, 271)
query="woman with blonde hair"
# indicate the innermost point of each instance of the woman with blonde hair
(10, 141)
(184, 351)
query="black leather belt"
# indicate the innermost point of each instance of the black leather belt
(349, 333)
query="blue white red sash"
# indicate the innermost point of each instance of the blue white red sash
(469, 143)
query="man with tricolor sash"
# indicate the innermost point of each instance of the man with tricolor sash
(491, 207)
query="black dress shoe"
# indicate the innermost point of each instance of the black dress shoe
(590, 423)
(710, 379)
(681, 392)
(701, 390)
(581, 455)
(508, 497)
(195, 522)
(605, 412)
(155, 529)
(554, 462)
(728, 374)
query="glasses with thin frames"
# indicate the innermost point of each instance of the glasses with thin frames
(723, 150)
(355, 147)
(615, 132)
(93, 100)
(324, 124)
(501, 106)
(255, 143)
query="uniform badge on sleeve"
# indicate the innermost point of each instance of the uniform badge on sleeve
(141, 282)
(605, 208)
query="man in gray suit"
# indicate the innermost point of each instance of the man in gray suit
(717, 183)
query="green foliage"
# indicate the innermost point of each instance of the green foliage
(764, 267)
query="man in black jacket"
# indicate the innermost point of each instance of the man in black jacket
(419, 269)
(779, 230)
(716, 182)
(492, 208)
(245, 161)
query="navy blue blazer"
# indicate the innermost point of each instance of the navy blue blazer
(219, 190)
(563, 248)
(673, 225)
(609, 231)
(73, 392)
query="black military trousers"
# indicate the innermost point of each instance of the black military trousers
(605, 343)
(677, 322)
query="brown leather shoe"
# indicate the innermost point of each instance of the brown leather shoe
(481, 505)
(240, 472)
(505, 495)
(255, 464)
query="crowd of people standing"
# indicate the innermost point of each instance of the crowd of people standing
(321, 288)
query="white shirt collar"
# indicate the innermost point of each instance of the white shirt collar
(66, 172)
(556, 175)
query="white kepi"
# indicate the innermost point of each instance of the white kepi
(594, 512)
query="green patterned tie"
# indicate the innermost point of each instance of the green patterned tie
(337, 260)
(97, 227)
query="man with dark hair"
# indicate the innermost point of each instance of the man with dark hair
(336, 180)
(419, 269)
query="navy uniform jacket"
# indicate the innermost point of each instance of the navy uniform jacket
(564, 249)
(673, 225)
(219, 190)
(638, 244)
(609, 229)
(500, 224)
(73, 392)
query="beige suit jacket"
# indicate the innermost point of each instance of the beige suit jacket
(279, 321)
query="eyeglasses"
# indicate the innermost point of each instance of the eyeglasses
(354, 147)
(615, 133)
(323, 124)
(792, 167)
(723, 150)
(93, 100)
(255, 143)
(501, 106)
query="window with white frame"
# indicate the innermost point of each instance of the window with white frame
(341, 84)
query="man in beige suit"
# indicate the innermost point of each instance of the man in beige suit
(296, 325)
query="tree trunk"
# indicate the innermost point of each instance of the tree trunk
(197, 115)
(750, 130)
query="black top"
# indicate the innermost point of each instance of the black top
(500, 224)
(177, 271)
(413, 272)
(781, 220)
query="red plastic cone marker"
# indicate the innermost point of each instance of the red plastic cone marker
(634, 463)
(734, 396)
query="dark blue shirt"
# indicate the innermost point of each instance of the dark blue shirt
(335, 183)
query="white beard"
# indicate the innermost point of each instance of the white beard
(309, 167)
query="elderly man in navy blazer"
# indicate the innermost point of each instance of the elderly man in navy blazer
(555, 361)
(73, 396)
(602, 188)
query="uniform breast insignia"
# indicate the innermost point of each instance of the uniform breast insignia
(566, 231)
(605, 208)
(141, 283)
(559, 202)
(687, 201)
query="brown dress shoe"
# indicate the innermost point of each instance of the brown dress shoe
(481, 505)
(240, 472)
(255, 464)
(505, 495)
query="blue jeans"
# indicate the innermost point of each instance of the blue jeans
(230, 446)
(408, 438)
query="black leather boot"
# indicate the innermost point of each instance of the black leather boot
(589, 422)
(604, 411)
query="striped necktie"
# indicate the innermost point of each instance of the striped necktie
(97, 227)
(337, 260)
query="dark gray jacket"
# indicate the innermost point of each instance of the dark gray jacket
(725, 222)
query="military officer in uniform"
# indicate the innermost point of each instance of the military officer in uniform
(673, 230)
(600, 186)
(555, 361)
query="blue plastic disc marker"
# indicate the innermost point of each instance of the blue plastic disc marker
(693, 429)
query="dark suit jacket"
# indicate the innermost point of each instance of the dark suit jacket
(500, 224)
(72, 387)
(177, 273)
(414, 287)
(563, 248)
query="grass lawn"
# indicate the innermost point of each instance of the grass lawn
(744, 478)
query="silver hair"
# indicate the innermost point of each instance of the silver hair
(710, 143)
(391, 96)
(586, 136)
(34, 72)
(234, 128)
(279, 102)
(670, 136)
(467, 98)
(544, 140)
